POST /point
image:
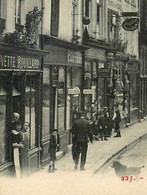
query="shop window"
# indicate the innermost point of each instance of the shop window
(133, 91)
(16, 93)
(101, 93)
(87, 76)
(30, 110)
(2, 125)
(87, 85)
(46, 92)
(55, 8)
(18, 11)
(68, 101)
(76, 82)
(61, 99)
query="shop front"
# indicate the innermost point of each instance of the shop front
(96, 80)
(122, 86)
(143, 81)
(61, 92)
(134, 89)
(20, 91)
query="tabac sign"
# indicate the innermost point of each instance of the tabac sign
(130, 24)
(19, 62)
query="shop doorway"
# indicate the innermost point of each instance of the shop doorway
(16, 94)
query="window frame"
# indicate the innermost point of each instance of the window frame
(55, 17)
(18, 11)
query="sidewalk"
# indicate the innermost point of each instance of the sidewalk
(100, 152)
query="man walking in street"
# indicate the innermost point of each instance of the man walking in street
(117, 120)
(81, 131)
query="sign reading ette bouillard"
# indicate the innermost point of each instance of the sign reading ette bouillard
(130, 24)
(19, 62)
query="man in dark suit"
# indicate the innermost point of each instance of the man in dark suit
(81, 131)
(117, 120)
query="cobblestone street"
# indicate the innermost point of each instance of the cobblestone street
(133, 157)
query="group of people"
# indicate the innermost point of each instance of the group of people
(83, 132)
(19, 139)
(105, 123)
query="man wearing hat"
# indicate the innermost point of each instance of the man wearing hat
(81, 131)
(117, 120)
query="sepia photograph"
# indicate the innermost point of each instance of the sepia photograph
(73, 97)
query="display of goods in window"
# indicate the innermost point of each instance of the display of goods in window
(110, 92)
(119, 98)
(119, 86)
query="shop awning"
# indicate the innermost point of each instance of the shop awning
(2, 91)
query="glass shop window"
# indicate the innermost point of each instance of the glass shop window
(46, 93)
(87, 85)
(61, 99)
(30, 110)
(101, 88)
(133, 91)
(16, 93)
(68, 101)
(76, 82)
(2, 125)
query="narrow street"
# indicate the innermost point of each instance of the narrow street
(68, 181)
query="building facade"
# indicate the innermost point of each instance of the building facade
(143, 58)
(84, 60)
(20, 83)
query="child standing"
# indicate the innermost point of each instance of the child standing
(103, 125)
(53, 148)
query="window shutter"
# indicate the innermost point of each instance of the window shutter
(55, 4)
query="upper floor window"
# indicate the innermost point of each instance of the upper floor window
(133, 2)
(99, 4)
(55, 8)
(1, 8)
(18, 11)
(74, 14)
(87, 7)
(113, 26)
(128, 1)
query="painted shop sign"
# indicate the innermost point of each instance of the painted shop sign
(88, 91)
(74, 57)
(62, 56)
(110, 56)
(96, 54)
(130, 24)
(103, 72)
(18, 62)
(74, 91)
